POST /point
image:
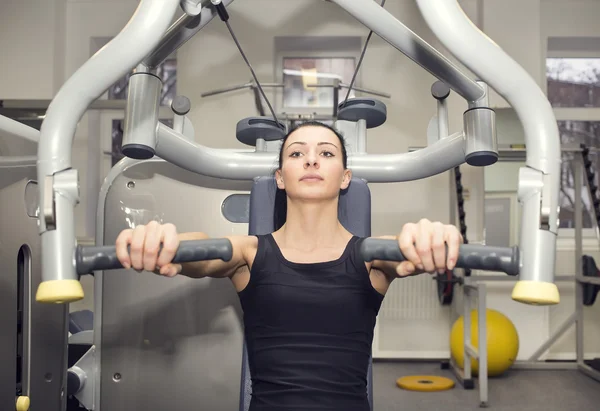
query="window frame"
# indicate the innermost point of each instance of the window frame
(566, 236)
(280, 55)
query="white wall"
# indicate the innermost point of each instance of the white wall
(31, 45)
(61, 44)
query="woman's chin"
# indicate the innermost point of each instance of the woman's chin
(313, 193)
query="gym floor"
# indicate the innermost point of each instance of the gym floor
(517, 390)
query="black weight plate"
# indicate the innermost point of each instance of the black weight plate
(445, 287)
(589, 270)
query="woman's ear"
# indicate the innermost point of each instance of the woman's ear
(279, 180)
(347, 177)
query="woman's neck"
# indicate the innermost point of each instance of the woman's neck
(312, 225)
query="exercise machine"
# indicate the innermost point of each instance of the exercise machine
(143, 43)
(584, 275)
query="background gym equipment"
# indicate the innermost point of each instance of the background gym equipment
(291, 118)
(128, 338)
(474, 287)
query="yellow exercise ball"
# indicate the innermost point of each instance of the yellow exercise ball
(502, 342)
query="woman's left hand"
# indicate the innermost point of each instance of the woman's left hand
(428, 247)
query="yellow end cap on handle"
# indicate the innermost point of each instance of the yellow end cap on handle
(536, 293)
(22, 403)
(59, 291)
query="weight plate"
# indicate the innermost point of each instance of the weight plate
(589, 290)
(445, 287)
(425, 383)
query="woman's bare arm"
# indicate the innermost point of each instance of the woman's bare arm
(152, 247)
(218, 268)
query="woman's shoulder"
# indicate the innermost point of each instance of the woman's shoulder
(243, 242)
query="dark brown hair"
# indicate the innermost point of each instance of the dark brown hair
(280, 210)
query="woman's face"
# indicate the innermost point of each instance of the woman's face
(312, 165)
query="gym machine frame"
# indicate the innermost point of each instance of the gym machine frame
(141, 44)
(147, 39)
(474, 287)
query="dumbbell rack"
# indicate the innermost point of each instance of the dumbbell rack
(474, 286)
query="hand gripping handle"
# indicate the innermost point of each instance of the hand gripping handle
(473, 256)
(90, 259)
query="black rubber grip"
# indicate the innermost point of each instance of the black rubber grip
(222, 11)
(473, 256)
(90, 259)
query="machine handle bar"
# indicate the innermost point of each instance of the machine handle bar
(90, 259)
(473, 256)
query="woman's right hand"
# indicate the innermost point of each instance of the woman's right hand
(145, 253)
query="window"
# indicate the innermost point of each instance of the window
(576, 132)
(309, 67)
(573, 89)
(308, 82)
(573, 82)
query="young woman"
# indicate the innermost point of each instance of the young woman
(309, 301)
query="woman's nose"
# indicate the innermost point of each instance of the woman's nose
(311, 163)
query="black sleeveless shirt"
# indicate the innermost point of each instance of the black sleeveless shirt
(309, 330)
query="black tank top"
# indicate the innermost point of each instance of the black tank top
(309, 330)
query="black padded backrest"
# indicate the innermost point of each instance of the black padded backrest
(354, 212)
(354, 207)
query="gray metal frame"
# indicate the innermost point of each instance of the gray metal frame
(474, 287)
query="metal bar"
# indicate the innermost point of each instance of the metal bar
(226, 90)
(552, 339)
(13, 127)
(467, 332)
(341, 85)
(588, 280)
(469, 348)
(180, 32)
(17, 161)
(241, 87)
(367, 91)
(57, 182)
(540, 205)
(475, 278)
(543, 365)
(589, 371)
(579, 285)
(381, 22)
(458, 373)
(591, 196)
(437, 158)
(495, 67)
(482, 343)
(38, 105)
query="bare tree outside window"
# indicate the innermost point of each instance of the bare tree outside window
(576, 132)
(573, 82)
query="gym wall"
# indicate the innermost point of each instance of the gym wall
(46, 41)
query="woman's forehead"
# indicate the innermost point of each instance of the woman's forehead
(312, 135)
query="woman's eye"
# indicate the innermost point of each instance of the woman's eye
(327, 153)
(295, 154)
